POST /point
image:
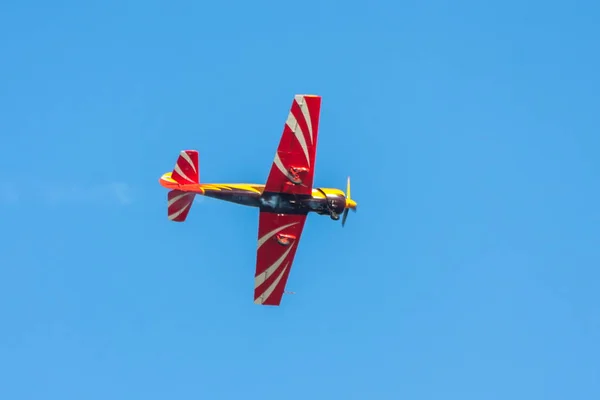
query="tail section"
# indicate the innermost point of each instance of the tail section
(184, 184)
(187, 168)
(179, 204)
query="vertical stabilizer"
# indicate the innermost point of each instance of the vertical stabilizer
(187, 168)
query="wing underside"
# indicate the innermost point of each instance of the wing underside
(278, 238)
(293, 168)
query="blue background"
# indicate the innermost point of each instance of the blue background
(470, 131)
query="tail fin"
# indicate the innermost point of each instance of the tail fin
(179, 204)
(187, 168)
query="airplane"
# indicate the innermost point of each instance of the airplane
(284, 201)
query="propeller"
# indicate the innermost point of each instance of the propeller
(350, 204)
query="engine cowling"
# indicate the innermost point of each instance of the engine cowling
(336, 203)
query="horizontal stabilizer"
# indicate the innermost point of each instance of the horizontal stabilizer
(179, 205)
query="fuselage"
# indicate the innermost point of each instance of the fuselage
(324, 201)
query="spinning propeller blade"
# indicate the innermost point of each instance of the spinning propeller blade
(344, 217)
(350, 204)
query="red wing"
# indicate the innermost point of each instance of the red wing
(294, 165)
(278, 238)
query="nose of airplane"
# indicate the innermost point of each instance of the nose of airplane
(351, 204)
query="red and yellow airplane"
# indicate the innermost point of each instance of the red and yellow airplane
(283, 202)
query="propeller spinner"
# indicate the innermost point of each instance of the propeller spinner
(350, 204)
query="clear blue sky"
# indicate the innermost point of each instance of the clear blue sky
(471, 133)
